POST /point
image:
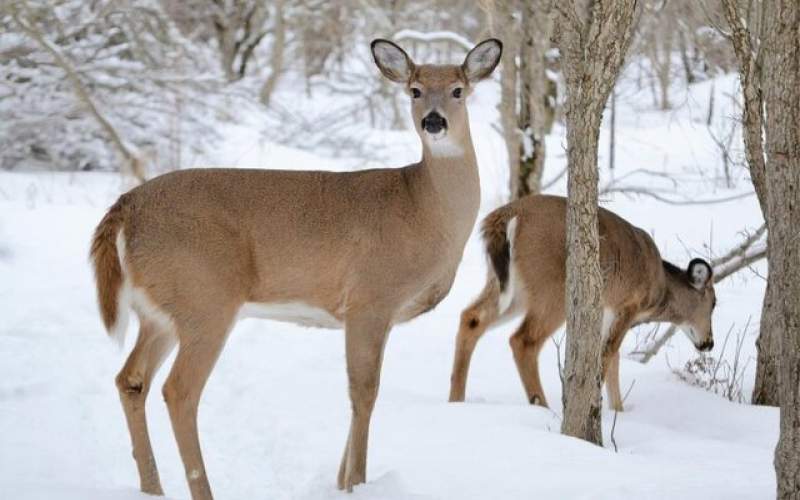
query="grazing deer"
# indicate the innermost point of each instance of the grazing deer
(525, 242)
(192, 251)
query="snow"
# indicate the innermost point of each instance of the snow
(433, 36)
(274, 416)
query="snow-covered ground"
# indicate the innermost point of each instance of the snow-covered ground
(275, 413)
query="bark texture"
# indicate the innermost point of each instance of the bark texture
(593, 37)
(781, 46)
(748, 54)
(276, 57)
(504, 25)
(537, 95)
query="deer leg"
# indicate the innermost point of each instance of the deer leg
(526, 343)
(610, 360)
(473, 326)
(198, 351)
(612, 383)
(133, 383)
(364, 342)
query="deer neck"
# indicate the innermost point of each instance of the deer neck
(675, 298)
(450, 173)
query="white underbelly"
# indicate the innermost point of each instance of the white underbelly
(291, 312)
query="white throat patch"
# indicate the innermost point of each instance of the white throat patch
(442, 145)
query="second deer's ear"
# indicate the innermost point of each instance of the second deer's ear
(699, 273)
(482, 59)
(393, 61)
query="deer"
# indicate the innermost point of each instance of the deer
(192, 251)
(525, 242)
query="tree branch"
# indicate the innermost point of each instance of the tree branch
(132, 161)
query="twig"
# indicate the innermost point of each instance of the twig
(614, 423)
(132, 160)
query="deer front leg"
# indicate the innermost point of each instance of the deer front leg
(365, 338)
(610, 367)
(611, 371)
(199, 347)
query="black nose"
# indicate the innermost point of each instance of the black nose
(707, 345)
(434, 123)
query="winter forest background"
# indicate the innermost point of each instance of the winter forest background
(97, 96)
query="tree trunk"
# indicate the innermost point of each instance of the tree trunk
(584, 280)
(782, 98)
(687, 65)
(276, 58)
(536, 105)
(503, 25)
(765, 391)
(593, 37)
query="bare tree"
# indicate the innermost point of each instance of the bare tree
(749, 53)
(504, 22)
(659, 47)
(593, 37)
(95, 86)
(781, 46)
(276, 57)
(527, 95)
(131, 160)
(537, 95)
(238, 28)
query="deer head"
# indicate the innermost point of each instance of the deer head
(438, 92)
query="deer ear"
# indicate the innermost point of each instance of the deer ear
(393, 61)
(482, 59)
(699, 273)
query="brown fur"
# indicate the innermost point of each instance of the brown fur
(639, 287)
(108, 273)
(368, 249)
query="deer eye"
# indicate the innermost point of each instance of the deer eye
(416, 93)
(457, 92)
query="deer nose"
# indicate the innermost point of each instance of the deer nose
(707, 345)
(433, 123)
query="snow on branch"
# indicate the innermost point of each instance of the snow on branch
(433, 36)
(131, 159)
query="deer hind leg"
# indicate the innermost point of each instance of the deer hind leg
(198, 350)
(474, 321)
(365, 339)
(133, 382)
(526, 343)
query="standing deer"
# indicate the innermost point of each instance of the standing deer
(526, 244)
(192, 251)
